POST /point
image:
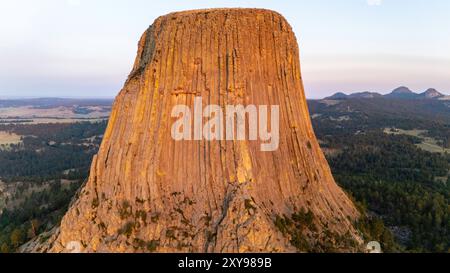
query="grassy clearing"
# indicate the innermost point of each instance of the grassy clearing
(428, 144)
(415, 132)
(7, 138)
(431, 146)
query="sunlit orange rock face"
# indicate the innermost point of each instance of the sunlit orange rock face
(149, 193)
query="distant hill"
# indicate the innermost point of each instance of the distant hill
(337, 96)
(359, 95)
(431, 94)
(366, 95)
(48, 110)
(385, 110)
(402, 92)
(43, 103)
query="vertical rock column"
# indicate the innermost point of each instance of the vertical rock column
(149, 193)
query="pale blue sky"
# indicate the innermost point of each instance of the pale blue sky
(85, 48)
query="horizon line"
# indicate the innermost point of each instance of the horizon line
(113, 97)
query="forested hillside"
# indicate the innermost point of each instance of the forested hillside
(392, 157)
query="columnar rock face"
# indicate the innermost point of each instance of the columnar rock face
(149, 193)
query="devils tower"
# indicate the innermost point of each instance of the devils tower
(150, 193)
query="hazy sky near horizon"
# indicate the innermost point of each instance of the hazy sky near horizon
(85, 48)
